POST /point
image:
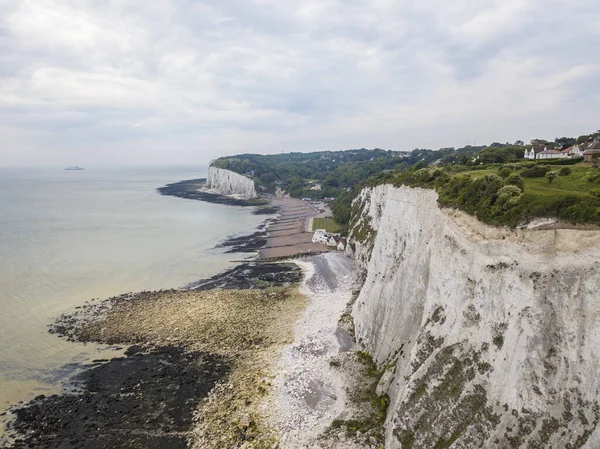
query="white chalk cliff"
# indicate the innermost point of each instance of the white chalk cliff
(226, 182)
(490, 336)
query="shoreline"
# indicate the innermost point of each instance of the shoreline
(190, 189)
(181, 345)
(222, 337)
(286, 236)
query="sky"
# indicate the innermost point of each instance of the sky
(138, 82)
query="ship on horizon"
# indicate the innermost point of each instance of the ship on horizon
(75, 167)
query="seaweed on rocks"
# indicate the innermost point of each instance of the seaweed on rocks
(251, 242)
(270, 210)
(213, 339)
(144, 400)
(191, 190)
(245, 243)
(252, 276)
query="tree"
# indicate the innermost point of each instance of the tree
(551, 175)
(541, 142)
(583, 139)
(565, 141)
(508, 196)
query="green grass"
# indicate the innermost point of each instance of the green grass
(479, 173)
(485, 194)
(574, 184)
(329, 224)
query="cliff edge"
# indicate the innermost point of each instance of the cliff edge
(226, 182)
(490, 337)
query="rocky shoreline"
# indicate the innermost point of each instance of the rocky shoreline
(191, 190)
(182, 343)
(260, 355)
(246, 243)
(201, 360)
(145, 399)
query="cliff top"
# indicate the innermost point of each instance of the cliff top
(512, 194)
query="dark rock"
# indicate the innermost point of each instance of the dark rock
(252, 275)
(144, 400)
(189, 189)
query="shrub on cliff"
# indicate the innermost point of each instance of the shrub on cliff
(504, 172)
(508, 196)
(475, 196)
(565, 171)
(551, 175)
(499, 201)
(516, 180)
(538, 171)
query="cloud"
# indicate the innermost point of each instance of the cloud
(190, 80)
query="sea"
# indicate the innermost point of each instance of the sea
(70, 236)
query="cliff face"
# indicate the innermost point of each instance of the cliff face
(491, 337)
(226, 182)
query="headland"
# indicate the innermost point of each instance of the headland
(444, 331)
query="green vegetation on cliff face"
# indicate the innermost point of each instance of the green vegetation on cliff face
(374, 406)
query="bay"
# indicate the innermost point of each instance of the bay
(70, 236)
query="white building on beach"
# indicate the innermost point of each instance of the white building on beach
(331, 239)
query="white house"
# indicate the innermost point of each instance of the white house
(551, 154)
(341, 245)
(574, 151)
(328, 238)
(316, 187)
(531, 153)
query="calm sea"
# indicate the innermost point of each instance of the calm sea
(70, 236)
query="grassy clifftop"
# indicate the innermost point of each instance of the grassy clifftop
(512, 194)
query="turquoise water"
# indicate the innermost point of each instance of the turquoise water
(70, 236)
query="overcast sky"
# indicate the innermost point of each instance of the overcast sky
(182, 81)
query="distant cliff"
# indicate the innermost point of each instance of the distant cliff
(226, 182)
(490, 336)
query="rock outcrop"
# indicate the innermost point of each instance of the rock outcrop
(226, 182)
(490, 336)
